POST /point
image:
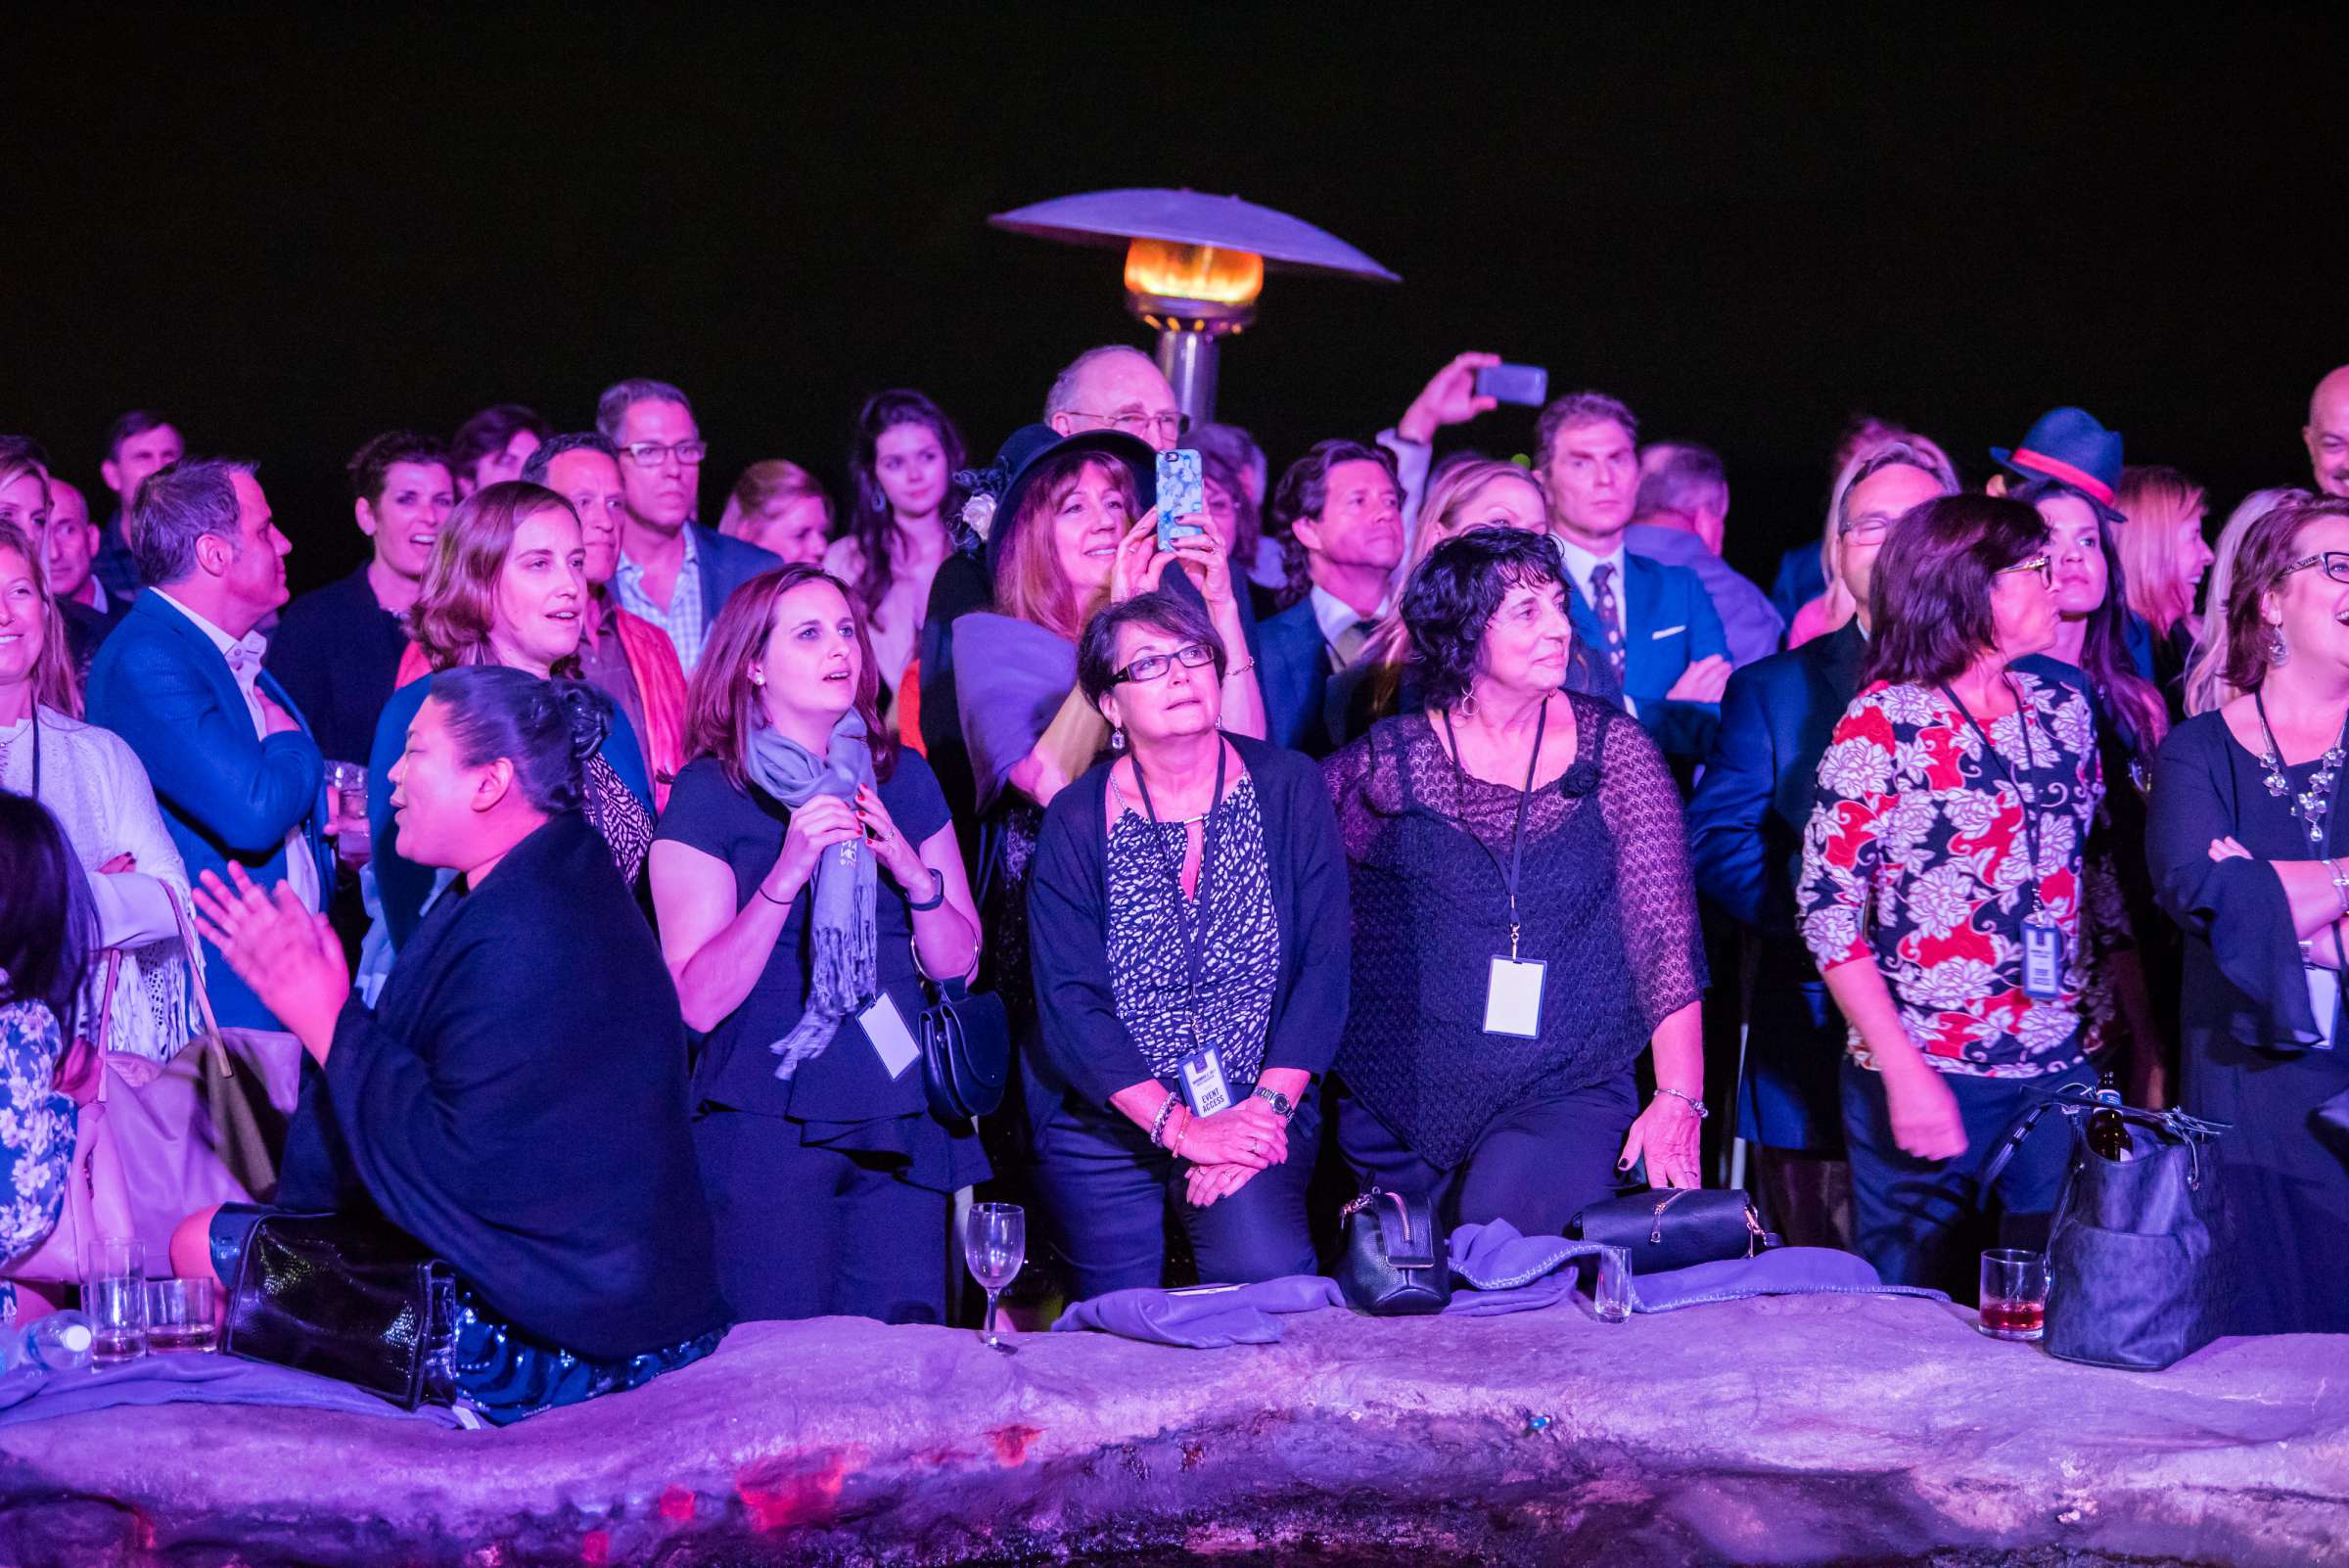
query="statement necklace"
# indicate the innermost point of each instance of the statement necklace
(2311, 804)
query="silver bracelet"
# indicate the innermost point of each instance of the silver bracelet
(1695, 1104)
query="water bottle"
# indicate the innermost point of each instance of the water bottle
(57, 1342)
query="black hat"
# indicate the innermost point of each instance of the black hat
(997, 489)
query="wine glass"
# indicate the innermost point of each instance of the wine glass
(994, 1243)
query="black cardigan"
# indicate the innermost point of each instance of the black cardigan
(1086, 1049)
(515, 1101)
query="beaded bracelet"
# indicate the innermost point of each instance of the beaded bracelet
(1157, 1128)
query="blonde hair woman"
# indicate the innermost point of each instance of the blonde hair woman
(1480, 494)
(2206, 683)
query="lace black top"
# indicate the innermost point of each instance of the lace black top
(1604, 898)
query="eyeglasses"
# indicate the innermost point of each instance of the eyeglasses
(1172, 427)
(2044, 567)
(649, 454)
(1868, 530)
(1150, 667)
(2336, 563)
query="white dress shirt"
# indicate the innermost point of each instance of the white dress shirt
(1340, 626)
(244, 655)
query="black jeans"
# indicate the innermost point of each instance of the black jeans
(1104, 1188)
(1536, 1165)
(1923, 1221)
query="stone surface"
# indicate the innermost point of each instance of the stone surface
(1827, 1429)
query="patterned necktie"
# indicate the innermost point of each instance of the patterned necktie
(1602, 600)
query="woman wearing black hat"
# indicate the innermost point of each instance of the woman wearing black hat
(1066, 536)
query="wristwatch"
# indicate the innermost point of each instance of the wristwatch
(1282, 1106)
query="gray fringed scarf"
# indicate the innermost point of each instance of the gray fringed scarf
(844, 977)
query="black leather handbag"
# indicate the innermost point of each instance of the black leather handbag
(1676, 1229)
(2138, 1272)
(1392, 1260)
(348, 1299)
(966, 1052)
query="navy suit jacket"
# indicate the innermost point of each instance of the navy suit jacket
(1745, 838)
(226, 794)
(1669, 623)
(726, 564)
(1292, 671)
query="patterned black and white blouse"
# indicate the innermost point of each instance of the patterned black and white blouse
(1151, 927)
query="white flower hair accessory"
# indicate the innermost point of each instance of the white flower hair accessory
(979, 514)
(985, 486)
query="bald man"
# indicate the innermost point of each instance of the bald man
(2327, 432)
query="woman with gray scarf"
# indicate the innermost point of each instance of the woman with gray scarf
(807, 878)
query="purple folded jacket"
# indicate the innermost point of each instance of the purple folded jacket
(30, 1394)
(1203, 1316)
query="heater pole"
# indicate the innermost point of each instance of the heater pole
(1188, 359)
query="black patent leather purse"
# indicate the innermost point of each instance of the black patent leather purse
(1392, 1260)
(1675, 1229)
(348, 1299)
(965, 1038)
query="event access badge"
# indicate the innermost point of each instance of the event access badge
(1513, 997)
(2042, 961)
(1204, 1089)
(886, 1028)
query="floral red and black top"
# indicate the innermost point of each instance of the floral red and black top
(1916, 858)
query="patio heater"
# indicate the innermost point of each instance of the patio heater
(1194, 266)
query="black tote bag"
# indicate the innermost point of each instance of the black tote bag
(2138, 1270)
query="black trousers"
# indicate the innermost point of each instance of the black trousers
(1104, 1190)
(1536, 1165)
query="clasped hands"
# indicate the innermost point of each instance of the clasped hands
(1229, 1147)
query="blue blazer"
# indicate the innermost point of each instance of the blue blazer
(726, 564)
(1292, 671)
(1669, 623)
(1745, 840)
(226, 795)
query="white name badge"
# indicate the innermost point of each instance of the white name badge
(1513, 997)
(1204, 1090)
(886, 1028)
(2042, 962)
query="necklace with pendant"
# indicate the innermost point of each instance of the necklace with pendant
(2310, 805)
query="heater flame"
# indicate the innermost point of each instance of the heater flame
(1170, 271)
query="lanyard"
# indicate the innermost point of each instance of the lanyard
(1194, 944)
(1509, 873)
(1992, 756)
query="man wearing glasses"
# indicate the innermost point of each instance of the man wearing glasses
(1745, 839)
(1115, 388)
(672, 572)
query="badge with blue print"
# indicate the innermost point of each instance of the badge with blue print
(1203, 1087)
(2042, 960)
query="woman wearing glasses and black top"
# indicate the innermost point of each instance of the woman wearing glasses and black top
(1188, 926)
(2248, 854)
(1950, 892)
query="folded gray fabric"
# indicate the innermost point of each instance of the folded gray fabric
(1203, 1316)
(1498, 1256)
(31, 1394)
(1779, 1272)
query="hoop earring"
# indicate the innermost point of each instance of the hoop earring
(1467, 705)
(876, 500)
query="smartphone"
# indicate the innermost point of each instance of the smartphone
(1527, 384)
(1181, 496)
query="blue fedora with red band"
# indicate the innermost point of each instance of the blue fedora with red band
(2068, 446)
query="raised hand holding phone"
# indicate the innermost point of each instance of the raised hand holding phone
(1181, 496)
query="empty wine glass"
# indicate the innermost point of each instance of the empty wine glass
(994, 1243)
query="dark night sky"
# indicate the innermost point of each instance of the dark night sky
(297, 228)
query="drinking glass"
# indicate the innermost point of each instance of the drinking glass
(179, 1314)
(1611, 1297)
(994, 1243)
(2015, 1294)
(349, 819)
(113, 1296)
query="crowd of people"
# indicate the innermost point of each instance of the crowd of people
(572, 877)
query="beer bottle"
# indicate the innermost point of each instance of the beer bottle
(2107, 1131)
